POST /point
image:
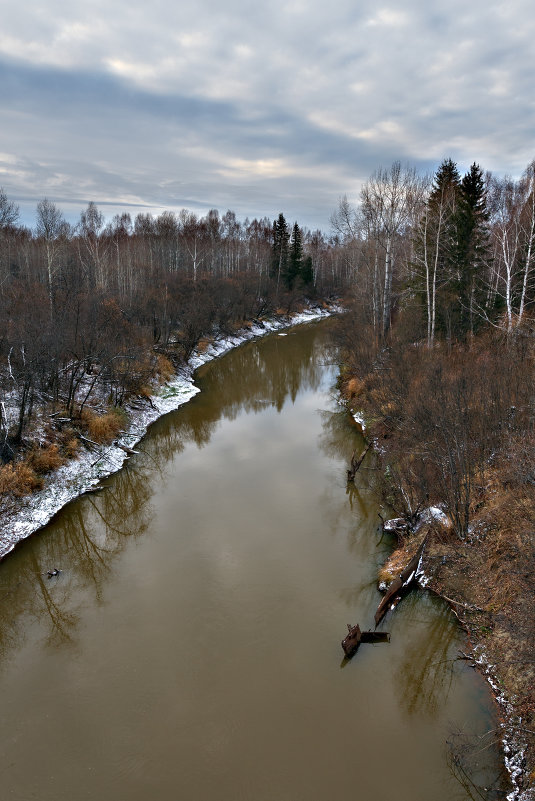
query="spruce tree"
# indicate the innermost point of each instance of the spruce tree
(307, 273)
(279, 261)
(472, 250)
(296, 257)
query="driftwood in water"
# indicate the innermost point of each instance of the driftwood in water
(351, 642)
(356, 463)
(374, 636)
(355, 636)
(400, 585)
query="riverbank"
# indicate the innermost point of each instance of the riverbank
(499, 637)
(22, 517)
(486, 580)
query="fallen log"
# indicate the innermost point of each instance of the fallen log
(356, 463)
(374, 636)
(355, 636)
(125, 448)
(400, 585)
(351, 641)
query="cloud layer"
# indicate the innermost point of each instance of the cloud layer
(259, 109)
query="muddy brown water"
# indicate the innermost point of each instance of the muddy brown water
(190, 647)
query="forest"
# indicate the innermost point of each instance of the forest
(438, 272)
(95, 313)
(439, 347)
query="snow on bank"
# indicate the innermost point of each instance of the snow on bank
(514, 747)
(90, 467)
(358, 417)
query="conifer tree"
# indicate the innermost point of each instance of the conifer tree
(307, 273)
(472, 250)
(295, 261)
(281, 237)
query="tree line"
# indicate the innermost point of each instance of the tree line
(457, 250)
(104, 308)
(439, 349)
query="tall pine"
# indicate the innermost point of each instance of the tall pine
(471, 253)
(295, 261)
(279, 259)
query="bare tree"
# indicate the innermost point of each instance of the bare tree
(91, 227)
(53, 229)
(9, 211)
(513, 232)
(391, 201)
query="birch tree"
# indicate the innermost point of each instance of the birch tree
(391, 199)
(52, 228)
(434, 243)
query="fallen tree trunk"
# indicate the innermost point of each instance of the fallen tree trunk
(400, 585)
(125, 448)
(356, 463)
(351, 642)
(355, 636)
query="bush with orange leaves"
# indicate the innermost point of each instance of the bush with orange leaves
(103, 428)
(18, 479)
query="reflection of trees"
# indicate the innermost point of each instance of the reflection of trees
(472, 759)
(252, 378)
(339, 439)
(88, 534)
(340, 436)
(424, 678)
(82, 542)
(271, 370)
(53, 603)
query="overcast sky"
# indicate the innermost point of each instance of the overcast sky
(260, 108)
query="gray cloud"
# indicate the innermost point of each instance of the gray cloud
(280, 107)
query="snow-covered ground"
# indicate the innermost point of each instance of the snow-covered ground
(90, 467)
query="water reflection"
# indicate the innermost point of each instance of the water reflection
(81, 543)
(425, 674)
(86, 536)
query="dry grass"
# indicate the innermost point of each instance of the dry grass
(44, 460)
(103, 428)
(204, 343)
(165, 369)
(18, 479)
(393, 566)
(70, 448)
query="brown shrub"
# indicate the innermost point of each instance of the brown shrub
(165, 368)
(354, 387)
(18, 479)
(103, 428)
(70, 448)
(203, 343)
(44, 460)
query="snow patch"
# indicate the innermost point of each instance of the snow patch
(358, 417)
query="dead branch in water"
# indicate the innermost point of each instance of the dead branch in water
(356, 463)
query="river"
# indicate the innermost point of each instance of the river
(190, 646)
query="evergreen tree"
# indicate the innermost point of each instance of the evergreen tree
(472, 250)
(281, 238)
(307, 273)
(295, 261)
